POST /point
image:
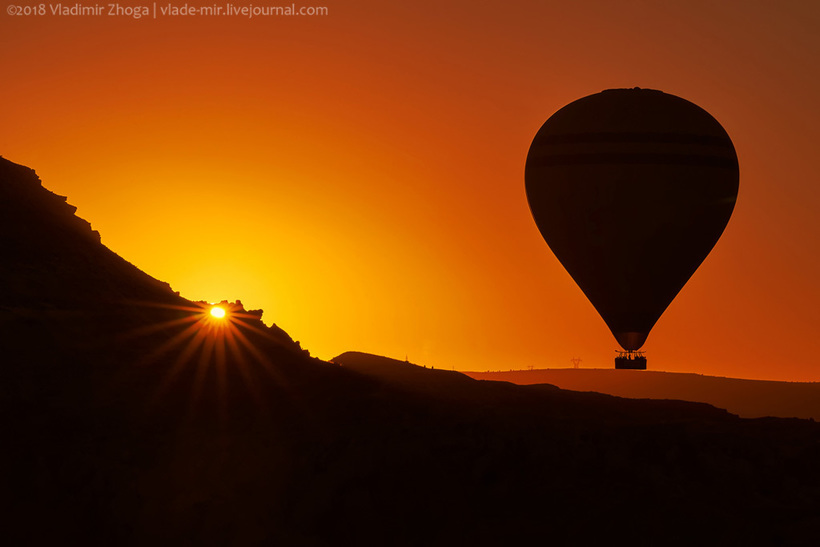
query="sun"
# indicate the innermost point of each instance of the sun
(209, 337)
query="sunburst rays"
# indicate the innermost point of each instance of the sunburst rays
(211, 349)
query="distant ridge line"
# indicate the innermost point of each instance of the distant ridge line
(745, 397)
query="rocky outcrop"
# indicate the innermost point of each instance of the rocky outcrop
(54, 259)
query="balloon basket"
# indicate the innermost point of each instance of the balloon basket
(631, 360)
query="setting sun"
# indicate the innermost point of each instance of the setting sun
(218, 312)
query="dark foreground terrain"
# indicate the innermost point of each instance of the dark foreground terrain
(128, 417)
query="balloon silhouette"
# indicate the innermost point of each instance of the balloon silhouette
(631, 189)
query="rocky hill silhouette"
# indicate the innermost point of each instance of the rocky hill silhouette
(131, 418)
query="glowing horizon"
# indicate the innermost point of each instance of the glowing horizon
(369, 182)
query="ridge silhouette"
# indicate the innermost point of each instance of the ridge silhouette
(131, 418)
(746, 398)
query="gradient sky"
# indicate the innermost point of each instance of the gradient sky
(359, 176)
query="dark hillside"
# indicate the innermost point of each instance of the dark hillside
(130, 417)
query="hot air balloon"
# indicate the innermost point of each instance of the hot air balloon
(631, 189)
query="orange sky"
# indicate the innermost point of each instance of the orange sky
(359, 176)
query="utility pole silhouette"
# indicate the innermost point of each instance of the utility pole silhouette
(575, 362)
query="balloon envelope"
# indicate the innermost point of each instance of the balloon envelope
(631, 189)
